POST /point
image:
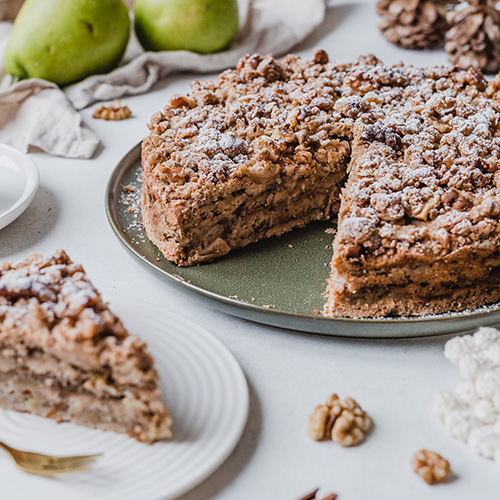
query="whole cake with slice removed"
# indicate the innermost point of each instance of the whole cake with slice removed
(65, 355)
(406, 159)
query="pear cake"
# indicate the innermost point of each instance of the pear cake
(255, 155)
(405, 159)
(65, 355)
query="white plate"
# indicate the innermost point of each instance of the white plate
(19, 180)
(205, 391)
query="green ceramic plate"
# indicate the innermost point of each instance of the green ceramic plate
(277, 282)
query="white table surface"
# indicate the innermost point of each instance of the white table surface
(288, 373)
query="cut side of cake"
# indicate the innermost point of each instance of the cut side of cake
(406, 159)
(418, 228)
(65, 355)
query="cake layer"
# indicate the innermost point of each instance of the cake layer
(47, 398)
(410, 300)
(190, 234)
(466, 266)
(98, 382)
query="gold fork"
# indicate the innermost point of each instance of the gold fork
(47, 465)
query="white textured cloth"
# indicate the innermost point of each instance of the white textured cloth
(471, 412)
(38, 113)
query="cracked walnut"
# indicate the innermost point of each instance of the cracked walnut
(431, 466)
(341, 420)
(114, 111)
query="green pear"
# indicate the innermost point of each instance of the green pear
(197, 25)
(67, 40)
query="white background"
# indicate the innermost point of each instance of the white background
(288, 372)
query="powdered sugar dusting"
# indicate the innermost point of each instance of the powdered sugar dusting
(130, 200)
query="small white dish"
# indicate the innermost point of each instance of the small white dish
(19, 179)
(204, 390)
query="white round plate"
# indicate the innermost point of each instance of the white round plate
(19, 180)
(204, 390)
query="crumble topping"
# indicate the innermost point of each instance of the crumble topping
(49, 303)
(254, 122)
(428, 147)
(420, 149)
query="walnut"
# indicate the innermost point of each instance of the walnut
(354, 252)
(381, 134)
(457, 200)
(114, 111)
(318, 422)
(180, 101)
(303, 156)
(422, 212)
(432, 467)
(342, 421)
(260, 172)
(252, 66)
(475, 77)
(312, 496)
(320, 57)
(270, 69)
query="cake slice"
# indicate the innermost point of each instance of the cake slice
(65, 355)
(419, 224)
(258, 153)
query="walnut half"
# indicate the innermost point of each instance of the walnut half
(312, 496)
(342, 421)
(114, 111)
(431, 466)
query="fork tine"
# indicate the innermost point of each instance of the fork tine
(71, 462)
(48, 465)
(48, 471)
(71, 459)
(76, 463)
(64, 467)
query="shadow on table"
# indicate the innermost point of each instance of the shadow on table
(238, 459)
(32, 226)
(335, 15)
(425, 342)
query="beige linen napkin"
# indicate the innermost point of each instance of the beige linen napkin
(37, 113)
